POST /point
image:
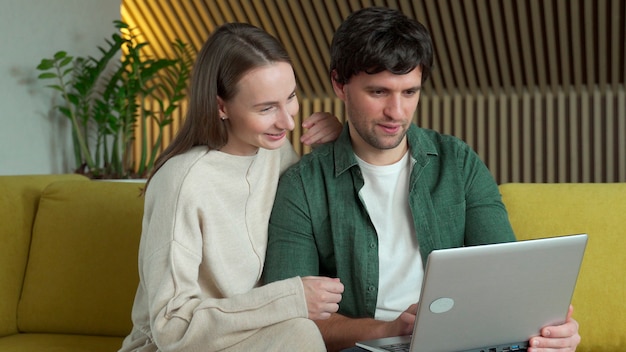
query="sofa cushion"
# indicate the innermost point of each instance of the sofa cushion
(19, 198)
(599, 209)
(82, 272)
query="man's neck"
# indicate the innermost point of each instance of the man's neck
(375, 156)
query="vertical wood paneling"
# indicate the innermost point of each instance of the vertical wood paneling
(562, 121)
(528, 137)
(538, 137)
(536, 87)
(574, 127)
(619, 133)
(526, 129)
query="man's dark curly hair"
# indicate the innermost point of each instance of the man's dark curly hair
(375, 39)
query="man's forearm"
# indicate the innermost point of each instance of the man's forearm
(341, 332)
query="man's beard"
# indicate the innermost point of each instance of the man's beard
(371, 138)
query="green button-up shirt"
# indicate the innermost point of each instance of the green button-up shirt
(320, 225)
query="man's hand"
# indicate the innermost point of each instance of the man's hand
(341, 332)
(322, 296)
(563, 337)
(403, 325)
(322, 127)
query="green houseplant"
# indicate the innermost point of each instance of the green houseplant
(105, 98)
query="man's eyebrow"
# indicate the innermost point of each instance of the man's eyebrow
(419, 87)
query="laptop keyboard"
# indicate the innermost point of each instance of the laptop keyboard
(397, 347)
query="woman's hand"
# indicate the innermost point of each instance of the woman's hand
(322, 296)
(322, 127)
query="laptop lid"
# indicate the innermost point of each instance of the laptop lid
(494, 296)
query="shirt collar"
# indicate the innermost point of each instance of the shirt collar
(420, 146)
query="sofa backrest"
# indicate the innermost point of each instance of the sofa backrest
(81, 275)
(19, 199)
(598, 209)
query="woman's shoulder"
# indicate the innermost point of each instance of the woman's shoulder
(177, 168)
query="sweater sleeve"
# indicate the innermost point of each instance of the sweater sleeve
(181, 319)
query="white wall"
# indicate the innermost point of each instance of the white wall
(34, 139)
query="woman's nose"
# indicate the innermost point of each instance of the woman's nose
(285, 120)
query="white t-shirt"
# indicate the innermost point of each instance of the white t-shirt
(386, 196)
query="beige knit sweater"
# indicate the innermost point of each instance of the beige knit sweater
(202, 252)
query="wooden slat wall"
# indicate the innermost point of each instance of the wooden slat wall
(535, 86)
(567, 136)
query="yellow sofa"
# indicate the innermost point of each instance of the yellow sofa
(68, 262)
(68, 258)
(599, 209)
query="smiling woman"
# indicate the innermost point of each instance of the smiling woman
(207, 205)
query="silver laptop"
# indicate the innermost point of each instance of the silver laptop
(491, 298)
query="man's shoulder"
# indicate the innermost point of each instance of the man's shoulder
(440, 142)
(311, 166)
(438, 137)
(318, 158)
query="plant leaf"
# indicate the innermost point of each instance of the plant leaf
(65, 111)
(66, 61)
(45, 64)
(47, 75)
(59, 55)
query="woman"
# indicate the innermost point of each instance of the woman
(207, 206)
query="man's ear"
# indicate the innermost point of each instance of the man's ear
(337, 87)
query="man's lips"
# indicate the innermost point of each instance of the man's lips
(390, 129)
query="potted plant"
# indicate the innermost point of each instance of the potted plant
(105, 98)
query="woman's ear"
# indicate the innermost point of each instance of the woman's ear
(221, 107)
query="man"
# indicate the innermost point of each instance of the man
(370, 207)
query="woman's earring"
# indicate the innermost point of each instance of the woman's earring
(223, 117)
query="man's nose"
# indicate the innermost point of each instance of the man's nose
(393, 107)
